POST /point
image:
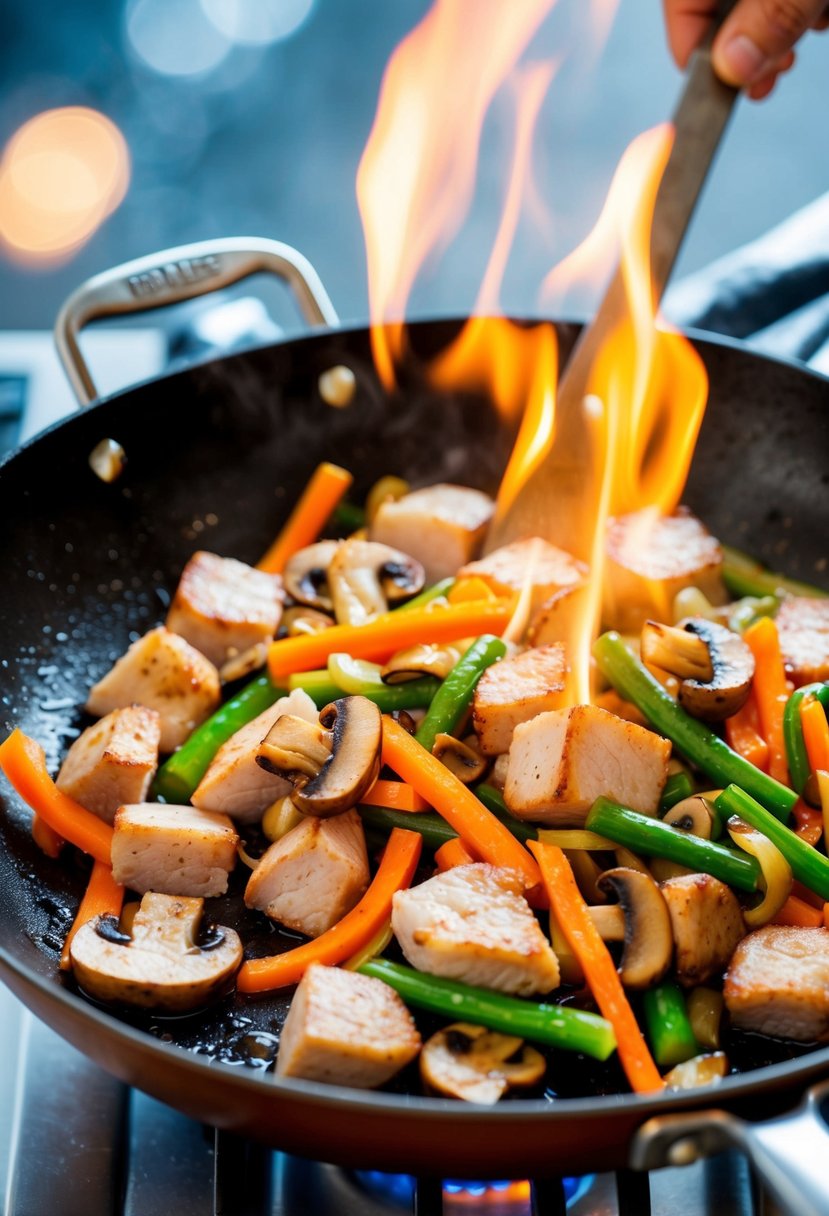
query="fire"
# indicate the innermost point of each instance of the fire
(628, 444)
(62, 173)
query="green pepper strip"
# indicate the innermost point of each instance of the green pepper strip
(743, 575)
(348, 516)
(553, 1025)
(796, 754)
(677, 787)
(414, 694)
(433, 828)
(697, 742)
(808, 866)
(431, 593)
(671, 1036)
(657, 839)
(452, 698)
(494, 802)
(182, 772)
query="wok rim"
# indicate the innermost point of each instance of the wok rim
(784, 1077)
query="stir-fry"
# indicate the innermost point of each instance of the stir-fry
(377, 731)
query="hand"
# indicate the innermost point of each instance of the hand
(755, 44)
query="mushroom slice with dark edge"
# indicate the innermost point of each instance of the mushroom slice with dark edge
(302, 620)
(478, 1065)
(305, 576)
(467, 764)
(161, 963)
(332, 764)
(425, 659)
(694, 815)
(715, 666)
(365, 577)
(649, 942)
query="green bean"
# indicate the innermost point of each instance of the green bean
(348, 516)
(669, 1028)
(431, 593)
(414, 694)
(182, 772)
(743, 575)
(808, 866)
(697, 742)
(432, 827)
(657, 839)
(796, 755)
(678, 786)
(452, 698)
(553, 1025)
(494, 802)
(748, 610)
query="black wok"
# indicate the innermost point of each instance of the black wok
(216, 456)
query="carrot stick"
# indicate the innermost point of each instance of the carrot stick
(600, 972)
(103, 894)
(45, 839)
(471, 589)
(23, 761)
(355, 930)
(302, 527)
(396, 796)
(797, 912)
(476, 826)
(808, 822)
(826, 915)
(388, 633)
(815, 734)
(742, 734)
(453, 853)
(771, 691)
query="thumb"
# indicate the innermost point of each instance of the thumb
(757, 33)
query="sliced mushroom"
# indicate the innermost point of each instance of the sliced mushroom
(467, 764)
(162, 962)
(649, 941)
(676, 651)
(478, 1065)
(364, 577)
(701, 1070)
(694, 815)
(387, 489)
(733, 664)
(330, 764)
(610, 921)
(426, 659)
(301, 620)
(306, 575)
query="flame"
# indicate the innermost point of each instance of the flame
(417, 174)
(62, 173)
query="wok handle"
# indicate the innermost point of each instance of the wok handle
(789, 1153)
(175, 275)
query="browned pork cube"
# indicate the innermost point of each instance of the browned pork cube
(344, 1028)
(113, 761)
(473, 924)
(778, 983)
(316, 873)
(562, 761)
(223, 607)
(164, 673)
(515, 690)
(558, 617)
(650, 558)
(707, 924)
(803, 626)
(506, 570)
(442, 526)
(176, 850)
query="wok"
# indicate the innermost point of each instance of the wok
(216, 456)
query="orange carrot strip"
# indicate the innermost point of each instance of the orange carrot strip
(815, 734)
(806, 896)
(355, 930)
(476, 826)
(469, 589)
(396, 796)
(599, 969)
(808, 821)
(771, 691)
(103, 894)
(453, 853)
(826, 915)
(797, 912)
(388, 633)
(742, 734)
(24, 763)
(45, 839)
(302, 527)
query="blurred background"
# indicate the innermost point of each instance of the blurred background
(227, 117)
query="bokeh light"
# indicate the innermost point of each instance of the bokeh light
(62, 173)
(257, 22)
(174, 37)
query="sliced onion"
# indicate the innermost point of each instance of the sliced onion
(776, 879)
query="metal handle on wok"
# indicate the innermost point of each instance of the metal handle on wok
(790, 1154)
(176, 275)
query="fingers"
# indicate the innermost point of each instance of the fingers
(687, 22)
(757, 36)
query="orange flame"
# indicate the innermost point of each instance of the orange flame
(62, 173)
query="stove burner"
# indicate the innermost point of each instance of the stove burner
(499, 1198)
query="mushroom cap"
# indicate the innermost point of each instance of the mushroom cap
(425, 659)
(161, 964)
(365, 576)
(649, 941)
(356, 728)
(305, 576)
(467, 764)
(478, 1065)
(733, 664)
(693, 814)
